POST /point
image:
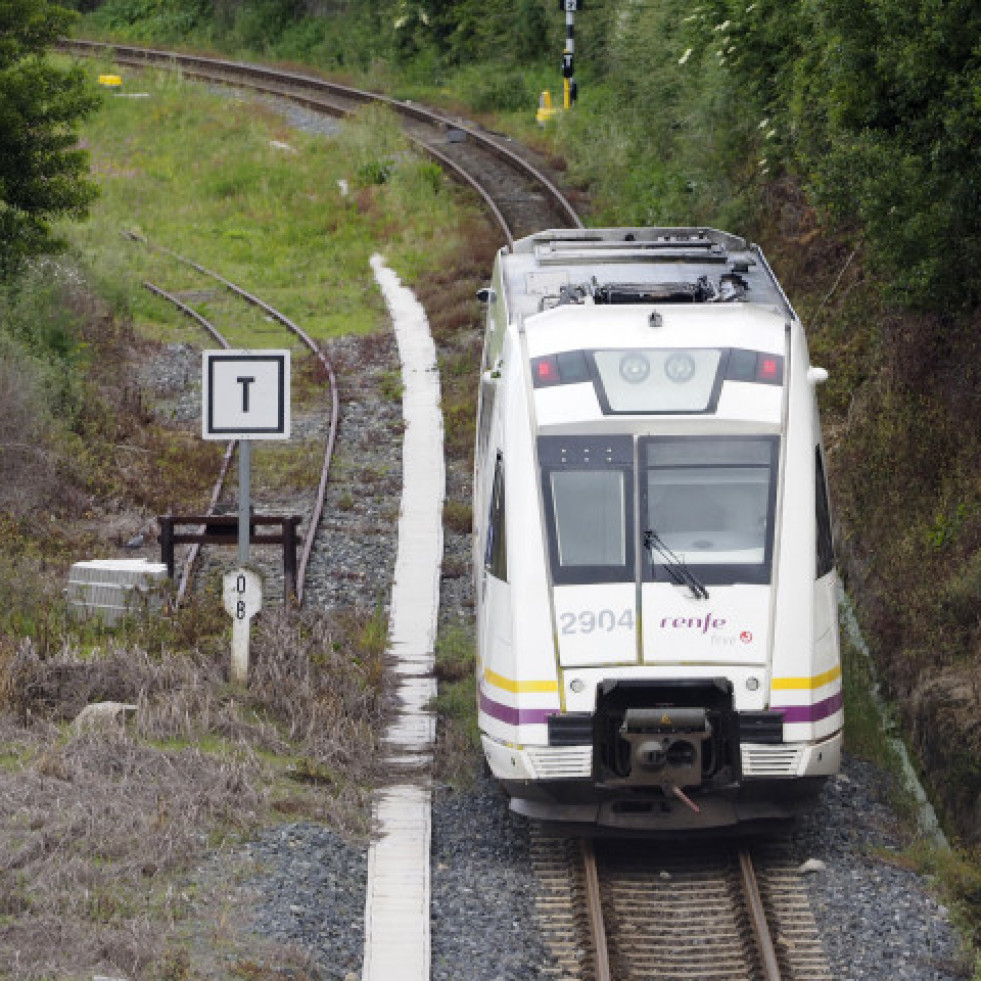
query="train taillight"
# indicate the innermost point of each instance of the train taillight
(768, 369)
(546, 371)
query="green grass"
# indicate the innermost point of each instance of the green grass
(456, 704)
(863, 720)
(227, 182)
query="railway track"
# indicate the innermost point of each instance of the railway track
(515, 189)
(312, 519)
(518, 195)
(635, 910)
(516, 192)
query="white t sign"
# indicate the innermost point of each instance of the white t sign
(245, 394)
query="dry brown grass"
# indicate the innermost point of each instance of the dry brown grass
(29, 467)
(98, 828)
(323, 681)
(93, 826)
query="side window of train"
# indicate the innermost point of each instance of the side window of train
(488, 392)
(825, 542)
(496, 553)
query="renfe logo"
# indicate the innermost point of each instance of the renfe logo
(702, 624)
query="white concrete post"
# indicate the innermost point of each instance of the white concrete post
(242, 593)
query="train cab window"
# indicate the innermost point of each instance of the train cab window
(496, 551)
(710, 500)
(587, 485)
(825, 541)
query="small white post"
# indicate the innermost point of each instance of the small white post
(242, 593)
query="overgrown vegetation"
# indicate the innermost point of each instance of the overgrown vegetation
(852, 163)
(199, 761)
(459, 740)
(42, 170)
(200, 758)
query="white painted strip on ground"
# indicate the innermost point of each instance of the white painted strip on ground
(397, 935)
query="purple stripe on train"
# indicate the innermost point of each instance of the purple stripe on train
(539, 716)
(515, 716)
(810, 713)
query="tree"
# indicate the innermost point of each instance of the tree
(43, 171)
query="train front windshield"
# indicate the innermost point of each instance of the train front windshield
(590, 522)
(708, 500)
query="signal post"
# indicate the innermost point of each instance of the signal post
(568, 55)
(245, 396)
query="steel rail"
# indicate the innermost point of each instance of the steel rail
(230, 448)
(694, 913)
(594, 912)
(761, 929)
(317, 512)
(461, 175)
(188, 311)
(207, 67)
(318, 508)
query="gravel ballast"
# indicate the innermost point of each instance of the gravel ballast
(878, 920)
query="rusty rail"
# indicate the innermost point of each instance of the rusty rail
(757, 916)
(594, 910)
(317, 511)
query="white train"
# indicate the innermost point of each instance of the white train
(654, 567)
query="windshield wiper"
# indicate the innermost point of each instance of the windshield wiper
(674, 564)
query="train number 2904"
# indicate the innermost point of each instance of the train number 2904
(588, 621)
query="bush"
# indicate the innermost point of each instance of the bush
(876, 106)
(498, 88)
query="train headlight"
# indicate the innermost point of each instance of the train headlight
(752, 683)
(634, 368)
(679, 368)
(577, 685)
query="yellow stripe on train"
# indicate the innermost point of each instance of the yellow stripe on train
(786, 684)
(521, 687)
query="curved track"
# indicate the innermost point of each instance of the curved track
(517, 193)
(318, 506)
(607, 913)
(515, 189)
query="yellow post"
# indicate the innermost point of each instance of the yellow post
(545, 108)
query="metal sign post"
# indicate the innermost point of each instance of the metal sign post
(246, 396)
(244, 499)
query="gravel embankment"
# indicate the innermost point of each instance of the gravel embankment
(878, 920)
(302, 886)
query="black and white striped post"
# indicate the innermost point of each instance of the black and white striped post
(568, 66)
